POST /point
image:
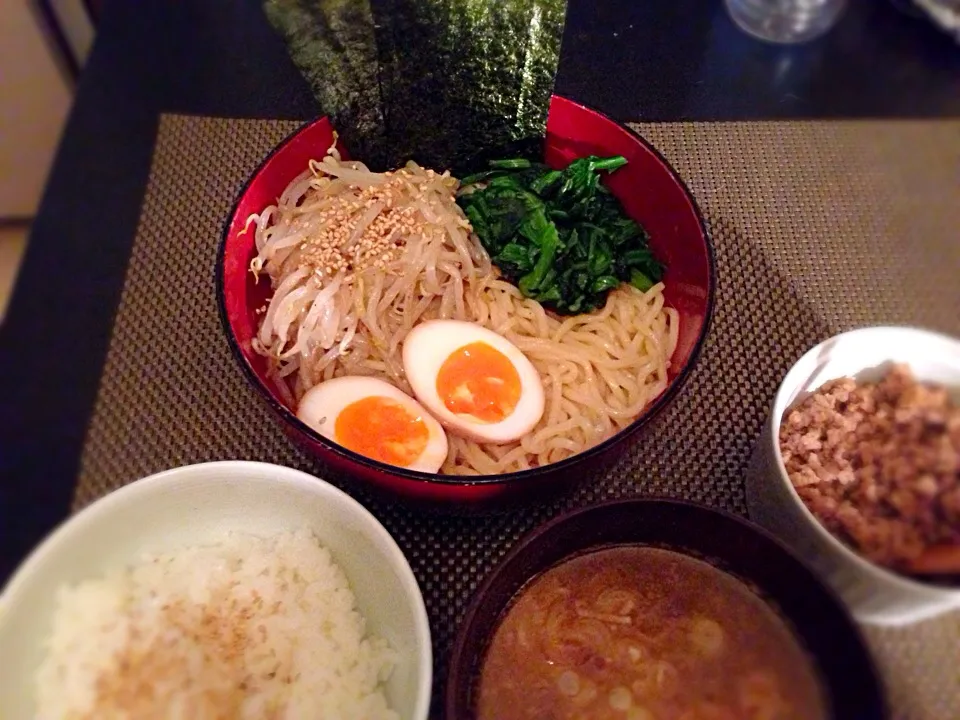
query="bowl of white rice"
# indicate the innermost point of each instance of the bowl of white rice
(222, 590)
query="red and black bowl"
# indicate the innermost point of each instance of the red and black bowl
(649, 189)
(849, 682)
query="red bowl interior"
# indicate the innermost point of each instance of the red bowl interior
(651, 193)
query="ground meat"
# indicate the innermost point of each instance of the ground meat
(878, 464)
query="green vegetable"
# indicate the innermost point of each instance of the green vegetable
(559, 235)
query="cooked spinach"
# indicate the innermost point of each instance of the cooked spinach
(558, 235)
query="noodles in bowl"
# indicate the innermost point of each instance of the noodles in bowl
(358, 259)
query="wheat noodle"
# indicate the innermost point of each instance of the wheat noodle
(357, 259)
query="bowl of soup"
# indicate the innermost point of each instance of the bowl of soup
(644, 609)
(466, 338)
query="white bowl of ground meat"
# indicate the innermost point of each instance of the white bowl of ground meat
(858, 469)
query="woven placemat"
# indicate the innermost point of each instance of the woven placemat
(819, 228)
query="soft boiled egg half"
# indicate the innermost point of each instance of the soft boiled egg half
(474, 381)
(375, 419)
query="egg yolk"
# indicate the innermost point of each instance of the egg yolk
(480, 381)
(382, 429)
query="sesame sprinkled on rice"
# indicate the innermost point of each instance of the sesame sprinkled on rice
(245, 628)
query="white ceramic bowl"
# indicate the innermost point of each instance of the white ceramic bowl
(873, 594)
(196, 504)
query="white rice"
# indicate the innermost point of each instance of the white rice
(245, 628)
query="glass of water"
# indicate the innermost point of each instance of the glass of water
(785, 21)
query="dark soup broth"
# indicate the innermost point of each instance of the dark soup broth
(638, 633)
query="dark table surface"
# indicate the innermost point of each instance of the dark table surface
(660, 60)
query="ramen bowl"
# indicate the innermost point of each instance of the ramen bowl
(198, 505)
(873, 593)
(649, 190)
(817, 620)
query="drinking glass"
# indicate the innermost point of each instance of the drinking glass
(785, 21)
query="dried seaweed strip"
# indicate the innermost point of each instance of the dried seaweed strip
(459, 77)
(440, 81)
(333, 43)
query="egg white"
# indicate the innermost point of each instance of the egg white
(427, 347)
(323, 403)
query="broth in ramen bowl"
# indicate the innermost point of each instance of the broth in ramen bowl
(640, 632)
(645, 609)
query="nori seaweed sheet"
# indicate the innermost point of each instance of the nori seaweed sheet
(440, 81)
(333, 44)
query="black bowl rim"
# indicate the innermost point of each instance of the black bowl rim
(457, 651)
(648, 414)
